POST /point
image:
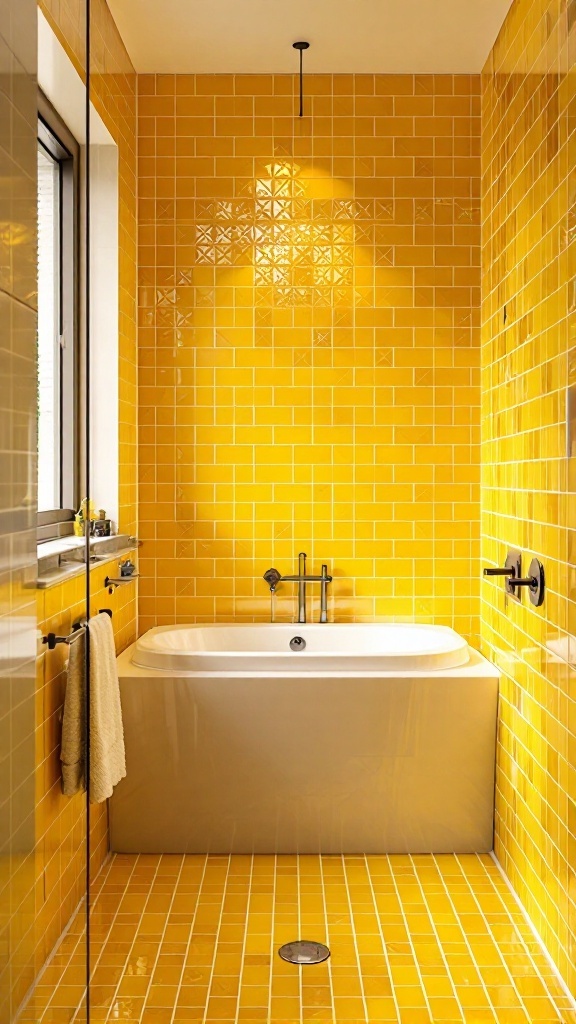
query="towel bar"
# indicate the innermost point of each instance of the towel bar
(77, 630)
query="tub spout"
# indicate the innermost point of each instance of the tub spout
(273, 578)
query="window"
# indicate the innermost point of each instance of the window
(58, 355)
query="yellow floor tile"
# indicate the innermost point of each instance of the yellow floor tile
(414, 940)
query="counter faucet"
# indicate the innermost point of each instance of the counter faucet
(273, 578)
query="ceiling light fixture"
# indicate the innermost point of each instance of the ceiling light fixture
(301, 47)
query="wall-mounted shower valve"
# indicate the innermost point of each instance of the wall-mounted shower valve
(512, 572)
(534, 581)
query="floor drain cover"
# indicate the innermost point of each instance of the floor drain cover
(303, 952)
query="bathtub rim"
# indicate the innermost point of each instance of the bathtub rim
(477, 665)
(454, 654)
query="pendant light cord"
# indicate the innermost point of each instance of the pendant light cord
(301, 114)
(301, 47)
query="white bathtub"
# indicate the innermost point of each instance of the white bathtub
(371, 739)
(266, 648)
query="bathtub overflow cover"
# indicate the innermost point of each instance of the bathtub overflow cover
(297, 643)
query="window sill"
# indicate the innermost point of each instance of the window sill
(54, 568)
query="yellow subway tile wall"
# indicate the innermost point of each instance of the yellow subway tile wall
(528, 291)
(309, 345)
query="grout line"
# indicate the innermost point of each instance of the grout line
(482, 913)
(407, 927)
(353, 924)
(312, 889)
(105, 871)
(211, 979)
(272, 941)
(382, 937)
(327, 933)
(537, 936)
(465, 934)
(435, 929)
(245, 936)
(299, 934)
(48, 962)
(191, 935)
(136, 938)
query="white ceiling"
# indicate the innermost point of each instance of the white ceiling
(256, 36)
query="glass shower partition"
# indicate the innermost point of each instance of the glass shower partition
(44, 838)
(110, 464)
(18, 489)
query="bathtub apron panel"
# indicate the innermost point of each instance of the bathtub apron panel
(318, 763)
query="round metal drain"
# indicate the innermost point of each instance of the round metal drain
(303, 952)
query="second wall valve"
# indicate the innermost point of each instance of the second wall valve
(534, 582)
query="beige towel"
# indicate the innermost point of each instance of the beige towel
(72, 753)
(107, 756)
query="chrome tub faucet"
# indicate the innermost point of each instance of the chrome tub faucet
(273, 578)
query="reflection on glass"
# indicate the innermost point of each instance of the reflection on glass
(48, 331)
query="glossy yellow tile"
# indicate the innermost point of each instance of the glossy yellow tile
(309, 344)
(413, 940)
(528, 483)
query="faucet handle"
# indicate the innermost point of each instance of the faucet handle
(272, 577)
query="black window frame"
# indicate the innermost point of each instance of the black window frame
(55, 138)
